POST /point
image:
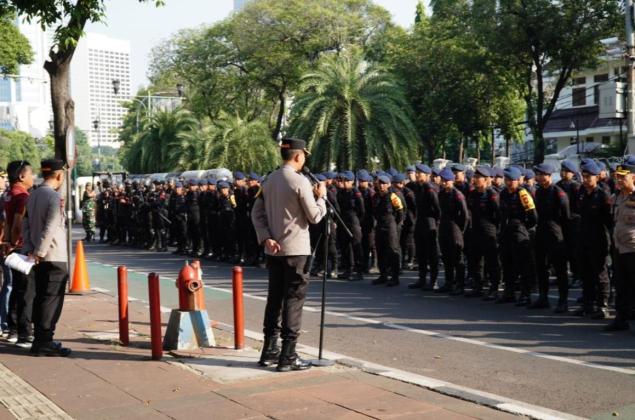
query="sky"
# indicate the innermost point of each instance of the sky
(145, 26)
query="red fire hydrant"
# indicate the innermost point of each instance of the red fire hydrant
(190, 285)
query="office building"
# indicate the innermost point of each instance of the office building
(98, 109)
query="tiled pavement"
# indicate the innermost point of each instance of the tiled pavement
(103, 380)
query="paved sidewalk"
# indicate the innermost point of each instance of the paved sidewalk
(103, 380)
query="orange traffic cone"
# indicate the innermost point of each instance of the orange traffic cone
(80, 283)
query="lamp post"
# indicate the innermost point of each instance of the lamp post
(576, 127)
(96, 127)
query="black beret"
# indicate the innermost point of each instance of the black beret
(294, 144)
(51, 165)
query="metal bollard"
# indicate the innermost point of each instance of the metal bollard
(239, 314)
(122, 288)
(155, 316)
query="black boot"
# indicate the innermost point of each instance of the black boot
(270, 352)
(289, 360)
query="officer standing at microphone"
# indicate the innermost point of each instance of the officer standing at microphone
(283, 210)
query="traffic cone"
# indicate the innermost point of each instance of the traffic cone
(80, 283)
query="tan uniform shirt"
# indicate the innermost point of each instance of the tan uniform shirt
(624, 230)
(44, 229)
(284, 209)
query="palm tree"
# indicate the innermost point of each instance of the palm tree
(351, 114)
(153, 149)
(230, 142)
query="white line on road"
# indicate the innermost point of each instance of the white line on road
(436, 334)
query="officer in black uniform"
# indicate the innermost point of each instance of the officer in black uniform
(552, 205)
(518, 215)
(388, 212)
(227, 220)
(180, 219)
(406, 238)
(194, 218)
(241, 214)
(369, 252)
(454, 221)
(484, 206)
(203, 203)
(351, 204)
(572, 232)
(426, 229)
(595, 226)
(213, 225)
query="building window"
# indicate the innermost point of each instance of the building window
(579, 81)
(598, 79)
(579, 96)
(606, 139)
(590, 140)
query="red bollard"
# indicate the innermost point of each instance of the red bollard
(155, 316)
(122, 288)
(239, 314)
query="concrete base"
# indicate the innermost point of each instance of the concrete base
(188, 330)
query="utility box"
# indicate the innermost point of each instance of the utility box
(612, 99)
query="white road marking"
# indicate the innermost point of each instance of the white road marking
(436, 334)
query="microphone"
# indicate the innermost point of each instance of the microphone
(307, 172)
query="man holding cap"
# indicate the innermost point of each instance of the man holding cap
(45, 243)
(285, 207)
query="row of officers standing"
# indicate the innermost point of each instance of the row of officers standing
(498, 234)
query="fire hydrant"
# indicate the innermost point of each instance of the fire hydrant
(190, 285)
(189, 326)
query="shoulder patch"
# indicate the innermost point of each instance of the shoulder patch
(396, 201)
(527, 200)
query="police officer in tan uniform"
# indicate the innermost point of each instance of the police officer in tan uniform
(284, 208)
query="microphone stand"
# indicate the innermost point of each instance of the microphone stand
(330, 212)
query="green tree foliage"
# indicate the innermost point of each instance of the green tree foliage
(18, 145)
(352, 114)
(151, 150)
(541, 39)
(14, 47)
(231, 142)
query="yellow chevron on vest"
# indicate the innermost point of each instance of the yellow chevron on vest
(527, 200)
(232, 199)
(396, 201)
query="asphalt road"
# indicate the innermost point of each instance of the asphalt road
(561, 362)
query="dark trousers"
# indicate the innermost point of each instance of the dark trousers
(484, 254)
(451, 241)
(388, 258)
(194, 231)
(595, 276)
(550, 250)
(50, 279)
(21, 303)
(624, 285)
(517, 262)
(407, 242)
(288, 282)
(368, 246)
(427, 248)
(180, 225)
(351, 248)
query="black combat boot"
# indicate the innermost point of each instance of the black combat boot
(270, 352)
(289, 360)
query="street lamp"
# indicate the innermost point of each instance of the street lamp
(96, 127)
(576, 127)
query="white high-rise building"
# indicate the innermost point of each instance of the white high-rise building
(25, 98)
(98, 61)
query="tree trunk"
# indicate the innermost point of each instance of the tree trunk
(460, 157)
(507, 145)
(539, 141)
(493, 145)
(281, 112)
(430, 150)
(477, 144)
(63, 106)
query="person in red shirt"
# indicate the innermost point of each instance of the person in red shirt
(21, 300)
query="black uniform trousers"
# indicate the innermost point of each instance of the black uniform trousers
(180, 226)
(427, 248)
(595, 275)
(516, 256)
(551, 250)
(451, 241)
(288, 282)
(572, 241)
(407, 242)
(194, 231)
(351, 248)
(388, 257)
(483, 254)
(21, 304)
(624, 266)
(368, 246)
(50, 279)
